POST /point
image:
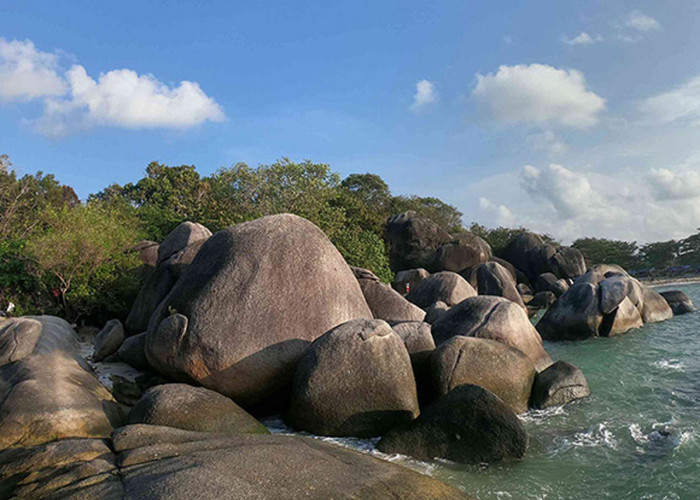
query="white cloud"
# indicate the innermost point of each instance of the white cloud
(669, 185)
(501, 213)
(641, 22)
(26, 73)
(425, 95)
(569, 192)
(583, 39)
(682, 102)
(123, 98)
(549, 142)
(538, 94)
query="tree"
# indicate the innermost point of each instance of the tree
(366, 199)
(435, 209)
(661, 254)
(82, 257)
(605, 251)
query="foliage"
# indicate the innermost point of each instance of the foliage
(82, 257)
(498, 238)
(18, 281)
(363, 248)
(435, 209)
(605, 251)
(659, 255)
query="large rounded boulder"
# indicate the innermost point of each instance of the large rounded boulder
(192, 408)
(180, 238)
(655, 308)
(446, 286)
(493, 318)
(466, 250)
(468, 425)
(405, 281)
(558, 385)
(495, 366)
(494, 279)
(575, 316)
(412, 240)
(679, 302)
(242, 314)
(385, 302)
(356, 380)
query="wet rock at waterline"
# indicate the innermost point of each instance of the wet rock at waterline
(356, 380)
(495, 366)
(493, 318)
(467, 425)
(559, 384)
(192, 408)
(574, 316)
(655, 307)
(289, 285)
(108, 341)
(446, 286)
(679, 302)
(162, 463)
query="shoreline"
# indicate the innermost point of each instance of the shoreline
(680, 280)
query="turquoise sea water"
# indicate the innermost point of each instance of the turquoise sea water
(636, 437)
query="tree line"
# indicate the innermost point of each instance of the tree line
(60, 255)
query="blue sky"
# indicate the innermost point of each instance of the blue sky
(578, 118)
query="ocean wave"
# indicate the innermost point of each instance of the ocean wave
(598, 435)
(670, 364)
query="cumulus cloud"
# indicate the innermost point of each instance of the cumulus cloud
(583, 39)
(679, 103)
(501, 213)
(27, 73)
(569, 192)
(425, 95)
(549, 142)
(669, 185)
(641, 22)
(123, 98)
(538, 93)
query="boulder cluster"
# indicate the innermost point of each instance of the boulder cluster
(266, 317)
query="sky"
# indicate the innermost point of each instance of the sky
(576, 118)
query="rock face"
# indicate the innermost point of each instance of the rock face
(435, 310)
(194, 409)
(603, 302)
(385, 302)
(548, 282)
(420, 345)
(162, 463)
(108, 341)
(467, 250)
(468, 425)
(530, 254)
(158, 285)
(559, 384)
(494, 279)
(505, 371)
(542, 299)
(180, 238)
(133, 351)
(249, 305)
(447, 287)
(521, 250)
(655, 307)
(407, 280)
(679, 302)
(148, 252)
(493, 318)
(568, 262)
(46, 392)
(356, 380)
(412, 240)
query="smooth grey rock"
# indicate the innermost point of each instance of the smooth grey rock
(179, 238)
(558, 385)
(133, 351)
(385, 302)
(108, 340)
(679, 302)
(575, 315)
(412, 240)
(446, 286)
(494, 279)
(407, 280)
(435, 310)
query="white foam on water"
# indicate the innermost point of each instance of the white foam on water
(598, 435)
(541, 416)
(670, 364)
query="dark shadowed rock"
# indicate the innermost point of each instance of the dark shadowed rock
(494, 279)
(613, 291)
(419, 342)
(679, 302)
(568, 262)
(548, 282)
(435, 310)
(524, 289)
(467, 425)
(412, 240)
(158, 285)
(251, 302)
(108, 341)
(179, 238)
(493, 318)
(446, 286)
(356, 380)
(542, 299)
(559, 384)
(385, 302)
(405, 281)
(518, 250)
(655, 307)
(133, 351)
(192, 408)
(466, 250)
(495, 366)
(574, 316)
